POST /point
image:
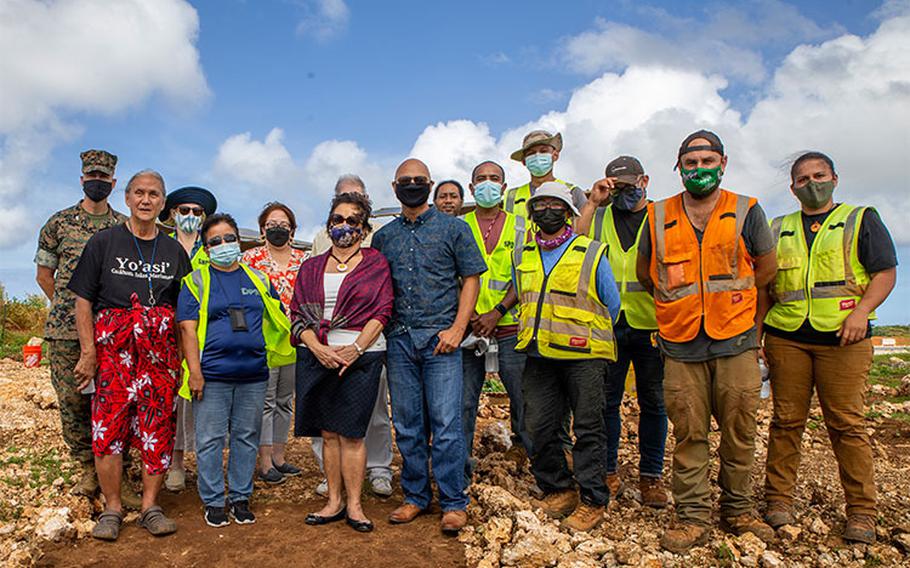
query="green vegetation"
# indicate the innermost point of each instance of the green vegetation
(20, 320)
(43, 467)
(902, 416)
(884, 372)
(891, 330)
(492, 385)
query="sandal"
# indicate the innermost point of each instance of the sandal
(154, 520)
(108, 525)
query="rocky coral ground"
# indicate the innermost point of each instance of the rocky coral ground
(38, 513)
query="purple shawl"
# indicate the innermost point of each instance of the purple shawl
(365, 294)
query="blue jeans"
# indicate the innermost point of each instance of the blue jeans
(234, 407)
(634, 346)
(511, 366)
(426, 391)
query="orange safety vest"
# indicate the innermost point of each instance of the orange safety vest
(713, 280)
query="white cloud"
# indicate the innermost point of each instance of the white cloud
(323, 19)
(67, 57)
(724, 39)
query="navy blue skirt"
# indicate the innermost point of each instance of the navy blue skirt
(328, 402)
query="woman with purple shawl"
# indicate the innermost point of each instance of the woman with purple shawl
(342, 301)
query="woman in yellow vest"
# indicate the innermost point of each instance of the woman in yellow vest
(233, 330)
(620, 226)
(186, 209)
(836, 264)
(568, 300)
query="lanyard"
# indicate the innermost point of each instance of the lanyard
(148, 272)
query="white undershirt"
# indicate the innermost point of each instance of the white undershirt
(332, 283)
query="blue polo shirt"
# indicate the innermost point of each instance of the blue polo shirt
(426, 257)
(230, 355)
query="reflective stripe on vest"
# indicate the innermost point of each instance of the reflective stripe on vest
(561, 311)
(711, 282)
(823, 283)
(276, 328)
(636, 302)
(495, 282)
(516, 198)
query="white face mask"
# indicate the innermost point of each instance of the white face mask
(188, 223)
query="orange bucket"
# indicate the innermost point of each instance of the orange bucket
(31, 355)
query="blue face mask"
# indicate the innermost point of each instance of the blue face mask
(488, 194)
(627, 199)
(539, 164)
(225, 254)
(187, 223)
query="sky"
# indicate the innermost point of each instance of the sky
(274, 99)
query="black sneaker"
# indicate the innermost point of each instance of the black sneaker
(287, 469)
(240, 512)
(216, 517)
(272, 477)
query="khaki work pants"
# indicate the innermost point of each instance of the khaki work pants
(838, 375)
(727, 388)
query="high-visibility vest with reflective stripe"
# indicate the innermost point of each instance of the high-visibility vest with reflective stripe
(276, 327)
(823, 283)
(561, 310)
(712, 281)
(516, 198)
(200, 257)
(636, 303)
(495, 282)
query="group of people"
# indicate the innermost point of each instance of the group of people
(175, 340)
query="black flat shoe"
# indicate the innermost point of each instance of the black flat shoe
(314, 519)
(359, 526)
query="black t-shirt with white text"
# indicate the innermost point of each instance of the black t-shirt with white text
(111, 269)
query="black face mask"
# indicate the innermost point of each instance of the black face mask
(412, 194)
(277, 236)
(97, 189)
(550, 221)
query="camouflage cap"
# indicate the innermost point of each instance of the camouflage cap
(98, 161)
(534, 138)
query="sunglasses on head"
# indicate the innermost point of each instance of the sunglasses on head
(186, 210)
(408, 180)
(337, 219)
(215, 241)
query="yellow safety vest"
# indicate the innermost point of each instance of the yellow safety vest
(516, 198)
(276, 327)
(824, 283)
(200, 257)
(636, 303)
(561, 311)
(495, 282)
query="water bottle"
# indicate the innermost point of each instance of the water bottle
(491, 361)
(765, 378)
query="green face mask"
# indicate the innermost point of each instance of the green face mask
(701, 181)
(815, 194)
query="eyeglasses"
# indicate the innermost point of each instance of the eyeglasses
(337, 219)
(215, 241)
(408, 180)
(186, 209)
(278, 225)
(543, 206)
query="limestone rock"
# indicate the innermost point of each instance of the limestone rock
(498, 529)
(577, 560)
(496, 500)
(627, 553)
(789, 533)
(770, 559)
(595, 547)
(750, 545)
(819, 527)
(54, 524)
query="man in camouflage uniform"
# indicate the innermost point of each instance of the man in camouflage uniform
(60, 245)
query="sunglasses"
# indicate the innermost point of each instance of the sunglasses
(619, 188)
(215, 241)
(408, 180)
(186, 210)
(337, 219)
(541, 206)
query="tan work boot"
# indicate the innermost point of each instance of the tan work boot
(585, 518)
(87, 484)
(615, 485)
(128, 496)
(860, 528)
(559, 504)
(653, 493)
(778, 514)
(747, 522)
(453, 521)
(684, 536)
(405, 513)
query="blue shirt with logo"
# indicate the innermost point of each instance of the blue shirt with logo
(230, 355)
